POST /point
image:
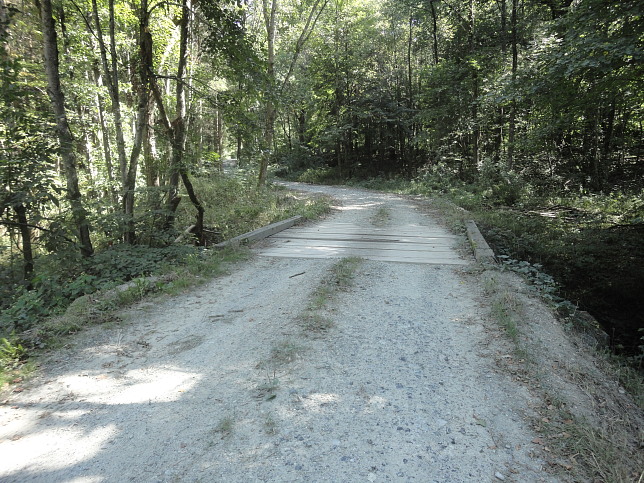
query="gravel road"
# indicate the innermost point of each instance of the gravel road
(224, 385)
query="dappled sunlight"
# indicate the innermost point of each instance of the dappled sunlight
(318, 402)
(376, 402)
(70, 447)
(373, 230)
(357, 207)
(134, 387)
(71, 415)
(66, 431)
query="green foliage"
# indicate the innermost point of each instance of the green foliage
(27, 309)
(344, 271)
(294, 162)
(234, 205)
(504, 313)
(319, 176)
(65, 277)
(533, 273)
(124, 262)
(225, 427)
(504, 187)
(597, 265)
(28, 185)
(12, 353)
(312, 320)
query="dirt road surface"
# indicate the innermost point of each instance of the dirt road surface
(227, 384)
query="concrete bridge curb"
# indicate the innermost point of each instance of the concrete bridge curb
(260, 233)
(482, 251)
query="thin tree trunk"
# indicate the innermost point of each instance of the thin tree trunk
(62, 127)
(127, 169)
(475, 92)
(500, 127)
(309, 26)
(25, 233)
(110, 75)
(105, 137)
(176, 131)
(150, 154)
(410, 71)
(238, 149)
(5, 17)
(434, 32)
(269, 15)
(608, 128)
(198, 230)
(143, 96)
(513, 104)
(269, 121)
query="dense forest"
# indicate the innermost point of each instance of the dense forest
(116, 116)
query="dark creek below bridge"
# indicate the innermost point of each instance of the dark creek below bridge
(601, 270)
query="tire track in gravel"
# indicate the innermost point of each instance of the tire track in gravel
(399, 390)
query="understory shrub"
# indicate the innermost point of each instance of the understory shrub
(234, 205)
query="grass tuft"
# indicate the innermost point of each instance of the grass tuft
(340, 277)
(381, 217)
(344, 271)
(504, 311)
(225, 427)
(285, 353)
(270, 425)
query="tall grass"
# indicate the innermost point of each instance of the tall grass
(234, 205)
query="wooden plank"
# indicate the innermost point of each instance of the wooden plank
(340, 250)
(405, 244)
(419, 247)
(369, 256)
(366, 231)
(371, 238)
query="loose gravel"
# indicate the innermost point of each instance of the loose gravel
(224, 385)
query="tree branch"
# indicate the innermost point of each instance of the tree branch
(37, 227)
(85, 19)
(311, 21)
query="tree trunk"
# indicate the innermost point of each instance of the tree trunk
(499, 129)
(269, 15)
(143, 96)
(25, 233)
(238, 149)
(269, 121)
(150, 156)
(198, 230)
(513, 104)
(176, 131)
(105, 137)
(5, 17)
(410, 70)
(127, 167)
(62, 128)
(434, 32)
(608, 128)
(475, 92)
(110, 75)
